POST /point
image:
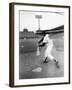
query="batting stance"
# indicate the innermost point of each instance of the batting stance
(46, 41)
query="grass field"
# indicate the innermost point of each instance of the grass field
(29, 61)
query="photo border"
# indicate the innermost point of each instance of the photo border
(11, 43)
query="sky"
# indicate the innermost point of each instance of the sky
(48, 21)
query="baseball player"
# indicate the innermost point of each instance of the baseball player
(46, 41)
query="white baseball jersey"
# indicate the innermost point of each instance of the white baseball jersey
(49, 46)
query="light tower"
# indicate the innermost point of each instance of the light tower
(38, 17)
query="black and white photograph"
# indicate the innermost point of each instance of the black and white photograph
(41, 44)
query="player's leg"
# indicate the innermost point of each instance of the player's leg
(53, 59)
(46, 55)
(56, 62)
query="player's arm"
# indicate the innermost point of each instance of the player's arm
(42, 45)
(40, 40)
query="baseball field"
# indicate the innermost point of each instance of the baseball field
(32, 66)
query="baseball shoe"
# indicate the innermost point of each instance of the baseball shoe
(57, 63)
